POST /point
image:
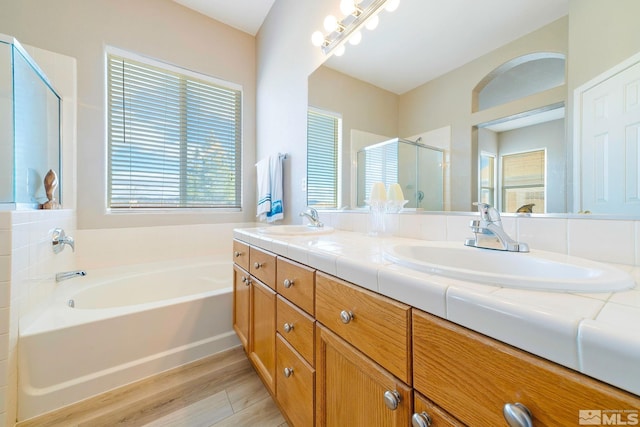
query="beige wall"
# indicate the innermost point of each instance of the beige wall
(159, 29)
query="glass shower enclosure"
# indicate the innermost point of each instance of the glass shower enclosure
(29, 128)
(418, 168)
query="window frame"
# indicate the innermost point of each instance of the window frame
(184, 72)
(504, 188)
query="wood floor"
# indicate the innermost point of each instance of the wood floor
(223, 390)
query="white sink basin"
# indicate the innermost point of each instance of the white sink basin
(294, 230)
(537, 270)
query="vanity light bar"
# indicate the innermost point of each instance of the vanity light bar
(364, 10)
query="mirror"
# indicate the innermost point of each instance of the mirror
(447, 103)
(29, 131)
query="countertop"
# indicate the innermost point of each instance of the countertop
(597, 334)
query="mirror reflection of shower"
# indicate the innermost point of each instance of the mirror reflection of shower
(416, 167)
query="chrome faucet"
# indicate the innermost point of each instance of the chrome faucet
(65, 275)
(313, 217)
(489, 232)
(59, 239)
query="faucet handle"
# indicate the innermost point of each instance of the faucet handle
(488, 213)
(59, 239)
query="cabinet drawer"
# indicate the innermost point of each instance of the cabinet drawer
(263, 266)
(241, 254)
(425, 410)
(376, 325)
(472, 377)
(297, 283)
(297, 328)
(295, 384)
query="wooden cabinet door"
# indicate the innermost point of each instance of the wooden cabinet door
(263, 332)
(350, 387)
(241, 297)
(295, 383)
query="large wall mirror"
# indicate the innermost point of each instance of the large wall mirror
(494, 95)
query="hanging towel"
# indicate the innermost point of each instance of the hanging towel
(264, 188)
(270, 188)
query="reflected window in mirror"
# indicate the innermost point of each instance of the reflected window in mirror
(523, 182)
(324, 130)
(488, 178)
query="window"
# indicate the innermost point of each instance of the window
(174, 137)
(523, 180)
(487, 178)
(323, 147)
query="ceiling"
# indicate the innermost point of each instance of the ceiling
(420, 41)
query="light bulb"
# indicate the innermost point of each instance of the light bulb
(392, 5)
(347, 7)
(339, 51)
(355, 38)
(330, 23)
(317, 38)
(372, 23)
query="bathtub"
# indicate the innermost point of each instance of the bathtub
(126, 323)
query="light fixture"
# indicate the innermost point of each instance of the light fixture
(358, 13)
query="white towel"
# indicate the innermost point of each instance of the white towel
(264, 188)
(275, 166)
(270, 189)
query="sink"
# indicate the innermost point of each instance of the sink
(294, 230)
(537, 270)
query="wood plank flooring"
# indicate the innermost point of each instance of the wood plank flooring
(219, 391)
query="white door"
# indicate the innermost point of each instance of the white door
(610, 144)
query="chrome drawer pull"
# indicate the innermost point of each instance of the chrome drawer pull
(517, 415)
(246, 280)
(237, 254)
(346, 316)
(288, 327)
(421, 420)
(288, 372)
(392, 399)
(288, 283)
(257, 265)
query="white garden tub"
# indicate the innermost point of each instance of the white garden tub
(127, 323)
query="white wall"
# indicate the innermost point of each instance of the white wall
(160, 29)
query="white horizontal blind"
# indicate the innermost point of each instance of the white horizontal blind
(174, 140)
(322, 159)
(381, 165)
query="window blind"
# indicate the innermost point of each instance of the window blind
(174, 139)
(322, 159)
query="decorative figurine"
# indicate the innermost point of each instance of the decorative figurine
(50, 185)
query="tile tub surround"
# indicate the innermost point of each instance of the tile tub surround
(597, 334)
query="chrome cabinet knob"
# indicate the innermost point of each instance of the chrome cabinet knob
(287, 283)
(392, 399)
(246, 280)
(346, 316)
(517, 415)
(257, 265)
(288, 372)
(421, 420)
(237, 254)
(288, 327)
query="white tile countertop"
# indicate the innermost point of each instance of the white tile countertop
(597, 334)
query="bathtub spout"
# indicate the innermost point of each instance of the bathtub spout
(65, 275)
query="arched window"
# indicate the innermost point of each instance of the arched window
(518, 78)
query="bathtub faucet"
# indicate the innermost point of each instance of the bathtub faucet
(65, 275)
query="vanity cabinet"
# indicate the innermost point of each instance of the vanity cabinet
(352, 390)
(254, 308)
(473, 377)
